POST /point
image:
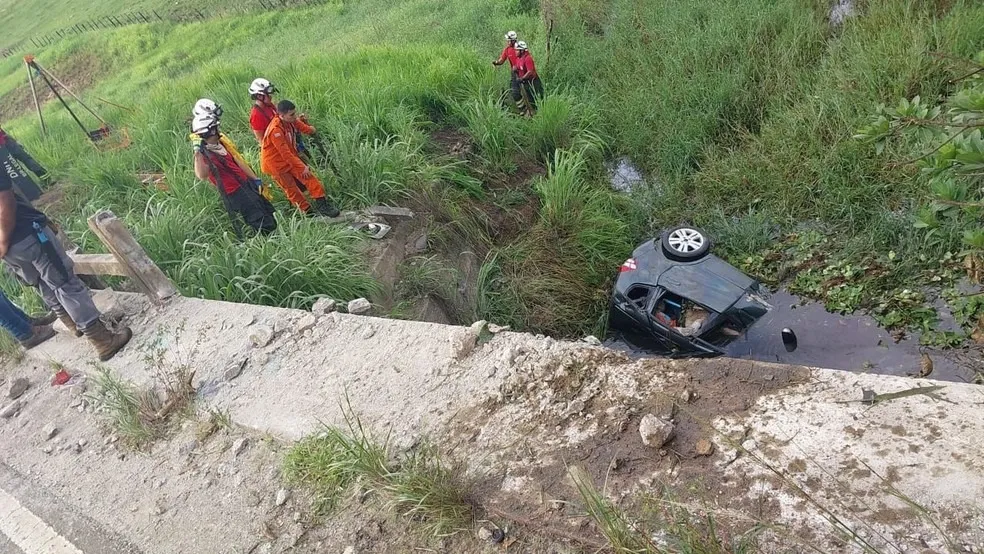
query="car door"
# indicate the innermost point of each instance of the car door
(682, 347)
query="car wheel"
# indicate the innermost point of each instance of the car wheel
(685, 243)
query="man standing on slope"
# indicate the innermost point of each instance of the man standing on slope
(264, 110)
(29, 247)
(238, 186)
(280, 160)
(529, 80)
(14, 159)
(509, 54)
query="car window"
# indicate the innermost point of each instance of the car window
(639, 295)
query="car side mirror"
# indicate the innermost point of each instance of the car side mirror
(789, 339)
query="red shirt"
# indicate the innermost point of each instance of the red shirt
(260, 117)
(228, 170)
(3, 137)
(509, 53)
(525, 66)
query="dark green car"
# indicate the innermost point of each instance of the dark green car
(674, 297)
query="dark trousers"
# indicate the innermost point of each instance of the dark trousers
(514, 85)
(254, 210)
(533, 90)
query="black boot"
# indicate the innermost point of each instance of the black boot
(324, 208)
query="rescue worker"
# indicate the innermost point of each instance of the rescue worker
(206, 107)
(264, 110)
(28, 331)
(30, 249)
(280, 160)
(15, 160)
(509, 54)
(528, 79)
(240, 189)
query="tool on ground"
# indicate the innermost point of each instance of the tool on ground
(97, 135)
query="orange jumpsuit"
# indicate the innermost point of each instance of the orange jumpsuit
(279, 160)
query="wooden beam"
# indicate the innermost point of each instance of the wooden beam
(144, 273)
(98, 264)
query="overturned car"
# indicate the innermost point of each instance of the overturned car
(674, 297)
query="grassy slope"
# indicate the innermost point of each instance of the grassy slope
(742, 110)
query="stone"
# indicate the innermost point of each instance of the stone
(705, 447)
(664, 407)
(305, 323)
(239, 446)
(17, 388)
(749, 445)
(323, 306)
(282, 496)
(493, 328)
(281, 326)
(247, 320)
(359, 306)
(83, 442)
(368, 332)
(234, 369)
(420, 244)
(11, 409)
(655, 432)
(50, 431)
(463, 342)
(484, 534)
(557, 505)
(261, 335)
(296, 517)
(48, 449)
(592, 340)
(686, 396)
(391, 211)
(575, 407)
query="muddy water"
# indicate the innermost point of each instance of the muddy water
(624, 176)
(848, 342)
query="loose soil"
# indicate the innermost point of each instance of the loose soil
(78, 72)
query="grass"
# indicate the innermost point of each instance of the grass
(419, 484)
(741, 112)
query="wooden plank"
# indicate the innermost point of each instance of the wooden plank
(98, 264)
(144, 273)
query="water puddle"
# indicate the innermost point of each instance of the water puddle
(833, 341)
(624, 176)
(840, 11)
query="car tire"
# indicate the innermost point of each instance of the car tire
(684, 243)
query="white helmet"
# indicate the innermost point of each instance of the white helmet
(203, 124)
(262, 86)
(521, 45)
(207, 106)
(511, 35)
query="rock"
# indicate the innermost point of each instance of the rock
(655, 432)
(705, 447)
(305, 323)
(50, 431)
(48, 449)
(557, 505)
(239, 446)
(359, 306)
(368, 331)
(323, 306)
(574, 407)
(592, 340)
(17, 388)
(664, 407)
(281, 498)
(83, 442)
(247, 320)
(11, 409)
(296, 517)
(749, 445)
(391, 211)
(493, 328)
(261, 335)
(686, 396)
(234, 369)
(463, 342)
(484, 534)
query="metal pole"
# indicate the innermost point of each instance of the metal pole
(62, 100)
(34, 93)
(45, 73)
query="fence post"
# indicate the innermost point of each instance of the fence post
(144, 273)
(159, 18)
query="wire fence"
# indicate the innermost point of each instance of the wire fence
(137, 17)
